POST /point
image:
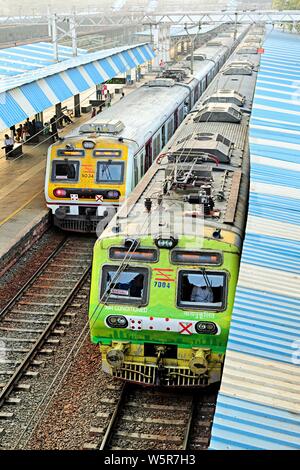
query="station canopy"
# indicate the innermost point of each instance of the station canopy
(32, 90)
(19, 59)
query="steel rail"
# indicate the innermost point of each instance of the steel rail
(33, 277)
(25, 363)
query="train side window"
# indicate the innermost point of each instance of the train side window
(202, 290)
(163, 136)
(110, 172)
(136, 169)
(141, 161)
(65, 170)
(170, 128)
(124, 287)
(181, 114)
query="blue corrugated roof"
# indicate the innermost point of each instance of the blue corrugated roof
(9, 83)
(19, 59)
(259, 402)
(29, 94)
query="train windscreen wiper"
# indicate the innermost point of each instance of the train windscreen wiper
(206, 280)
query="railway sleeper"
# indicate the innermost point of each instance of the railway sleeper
(149, 437)
(28, 373)
(13, 401)
(32, 312)
(94, 431)
(6, 415)
(165, 421)
(157, 407)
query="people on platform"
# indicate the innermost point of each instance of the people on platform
(53, 128)
(66, 119)
(13, 131)
(19, 133)
(94, 112)
(8, 144)
(26, 133)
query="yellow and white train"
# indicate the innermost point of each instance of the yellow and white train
(90, 172)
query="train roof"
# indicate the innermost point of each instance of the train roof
(152, 104)
(147, 104)
(206, 160)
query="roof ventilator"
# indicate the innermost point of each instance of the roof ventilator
(112, 126)
(214, 43)
(203, 147)
(219, 112)
(176, 74)
(226, 96)
(162, 82)
(238, 68)
(248, 49)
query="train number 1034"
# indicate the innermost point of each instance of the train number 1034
(162, 285)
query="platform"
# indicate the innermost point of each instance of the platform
(22, 204)
(259, 401)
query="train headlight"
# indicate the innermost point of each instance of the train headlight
(116, 321)
(112, 194)
(60, 192)
(88, 144)
(206, 328)
(167, 243)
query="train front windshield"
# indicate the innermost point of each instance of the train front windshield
(110, 172)
(202, 290)
(127, 286)
(65, 171)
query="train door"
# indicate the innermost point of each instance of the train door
(180, 114)
(197, 93)
(170, 127)
(148, 155)
(176, 120)
(142, 163)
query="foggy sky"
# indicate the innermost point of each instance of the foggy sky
(35, 7)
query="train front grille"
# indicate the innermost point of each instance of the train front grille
(149, 374)
(77, 224)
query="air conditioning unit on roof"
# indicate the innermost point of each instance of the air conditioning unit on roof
(100, 126)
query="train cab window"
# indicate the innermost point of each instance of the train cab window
(65, 170)
(201, 290)
(110, 172)
(126, 286)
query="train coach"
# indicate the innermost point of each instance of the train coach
(90, 172)
(165, 269)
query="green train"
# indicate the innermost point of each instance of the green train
(165, 269)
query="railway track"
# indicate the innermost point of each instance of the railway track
(138, 418)
(37, 316)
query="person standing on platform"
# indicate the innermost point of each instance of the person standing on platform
(26, 132)
(94, 112)
(13, 131)
(19, 133)
(8, 145)
(53, 129)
